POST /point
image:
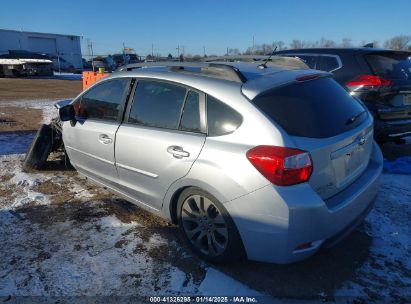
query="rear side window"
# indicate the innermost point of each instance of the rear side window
(318, 108)
(221, 119)
(104, 101)
(309, 60)
(328, 63)
(391, 65)
(190, 120)
(157, 104)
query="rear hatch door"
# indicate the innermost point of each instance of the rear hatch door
(394, 67)
(322, 118)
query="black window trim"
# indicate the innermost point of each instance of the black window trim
(202, 100)
(124, 102)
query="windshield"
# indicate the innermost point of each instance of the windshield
(394, 65)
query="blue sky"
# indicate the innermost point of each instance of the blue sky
(212, 24)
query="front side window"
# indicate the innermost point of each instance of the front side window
(105, 101)
(221, 119)
(157, 104)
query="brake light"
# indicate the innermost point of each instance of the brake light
(308, 77)
(368, 81)
(281, 166)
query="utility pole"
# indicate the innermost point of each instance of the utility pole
(204, 51)
(152, 50)
(90, 51)
(124, 53)
(178, 50)
(253, 46)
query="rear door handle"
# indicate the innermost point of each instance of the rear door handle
(177, 152)
(104, 139)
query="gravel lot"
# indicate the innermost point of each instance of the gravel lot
(62, 236)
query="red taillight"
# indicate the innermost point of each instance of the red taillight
(368, 81)
(281, 166)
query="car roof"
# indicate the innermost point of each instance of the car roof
(338, 50)
(249, 79)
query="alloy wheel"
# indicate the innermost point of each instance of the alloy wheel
(204, 225)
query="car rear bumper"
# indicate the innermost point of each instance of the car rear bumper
(274, 221)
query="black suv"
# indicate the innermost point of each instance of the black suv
(380, 78)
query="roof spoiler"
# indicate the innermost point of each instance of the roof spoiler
(369, 45)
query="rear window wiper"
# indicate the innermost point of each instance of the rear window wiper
(354, 118)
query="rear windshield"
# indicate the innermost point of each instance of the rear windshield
(395, 65)
(317, 108)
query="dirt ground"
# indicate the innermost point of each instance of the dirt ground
(28, 89)
(26, 118)
(14, 119)
(66, 236)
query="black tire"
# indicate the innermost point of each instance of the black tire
(225, 248)
(40, 149)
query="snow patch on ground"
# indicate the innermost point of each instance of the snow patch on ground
(56, 249)
(387, 272)
(402, 165)
(15, 143)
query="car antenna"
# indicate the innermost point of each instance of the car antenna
(264, 65)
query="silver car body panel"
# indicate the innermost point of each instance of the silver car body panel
(90, 146)
(273, 221)
(146, 164)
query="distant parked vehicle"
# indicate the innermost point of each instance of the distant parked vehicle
(86, 65)
(23, 63)
(62, 65)
(107, 63)
(380, 78)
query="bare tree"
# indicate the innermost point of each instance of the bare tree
(327, 43)
(233, 51)
(280, 45)
(296, 44)
(197, 57)
(400, 42)
(248, 51)
(346, 42)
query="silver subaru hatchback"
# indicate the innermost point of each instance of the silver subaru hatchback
(265, 162)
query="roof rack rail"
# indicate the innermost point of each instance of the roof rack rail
(210, 69)
(274, 61)
(244, 58)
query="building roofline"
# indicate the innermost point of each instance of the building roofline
(41, 33)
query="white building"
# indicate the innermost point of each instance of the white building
(63, 46)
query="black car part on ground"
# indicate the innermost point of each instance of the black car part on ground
(48, 139)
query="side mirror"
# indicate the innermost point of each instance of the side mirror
(67, 113)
